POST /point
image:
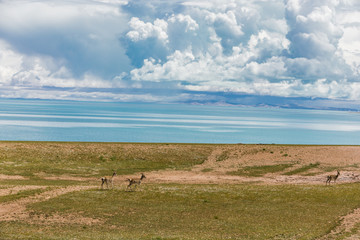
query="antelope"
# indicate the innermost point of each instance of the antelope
(332, 178)
(135, 182)
(108, 180)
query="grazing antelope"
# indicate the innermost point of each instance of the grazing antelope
(108, 180)
(135, 182)
(332, 178)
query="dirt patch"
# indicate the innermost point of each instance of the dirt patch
(16, 210)
(14, 177)
(346, 226)
(191, 177)
(227, 158)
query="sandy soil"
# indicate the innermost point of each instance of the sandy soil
(214, 170)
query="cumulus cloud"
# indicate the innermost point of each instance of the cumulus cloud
(21, 70)
(82, 34)
(288, 48)
(142, 31)
(301, 56)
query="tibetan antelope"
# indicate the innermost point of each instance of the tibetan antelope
(332, 178)
(135, 182)
(108, 180)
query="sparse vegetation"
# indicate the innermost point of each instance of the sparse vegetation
(258, 171)
(252, 209)
(96, 159)
(21, 194)
(330, 169)
(223, 156)
(303, 169)
(168, 211)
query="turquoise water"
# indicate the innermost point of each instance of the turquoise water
(41, 120)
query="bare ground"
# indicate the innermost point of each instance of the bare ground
(16, 210)
(214, 170)
(347, 227)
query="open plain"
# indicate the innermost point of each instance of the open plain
(52, 190)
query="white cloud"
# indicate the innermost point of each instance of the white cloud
(141, 30)
(10, 63)
(190, 24)
(349, 43)
(280, 48)
(82, 34)
(225, 24)
(29, 16)
(314, 32)
(258, 64)
(21, 70)
(214, 66)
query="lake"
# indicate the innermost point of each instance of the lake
(48, 120)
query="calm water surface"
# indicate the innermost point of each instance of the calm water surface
(40, 120)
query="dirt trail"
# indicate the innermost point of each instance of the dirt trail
(16, 210)
(16, 189)
(9, 177)
(214, 170)
(212, 161)
(192, 177)
(346, 227)
(224, 159)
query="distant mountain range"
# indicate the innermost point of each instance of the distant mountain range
(278, 102)
(233, 99)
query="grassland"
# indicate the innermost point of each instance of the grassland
(96, 159)
(51, 191)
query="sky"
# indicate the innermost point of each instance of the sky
(217, 51)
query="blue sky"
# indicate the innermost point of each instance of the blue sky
(181, 51)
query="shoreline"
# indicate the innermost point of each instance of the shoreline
(175, 143)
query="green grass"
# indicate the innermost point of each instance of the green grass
(166, 211)
(303, 169)
(258, 171)
(41, 182)
(172, 211)
(96, 159)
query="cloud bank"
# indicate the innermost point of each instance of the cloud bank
(180, 50)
